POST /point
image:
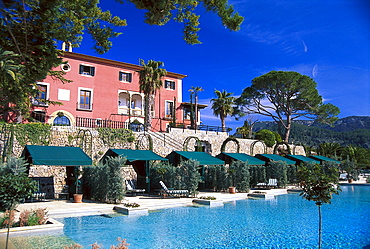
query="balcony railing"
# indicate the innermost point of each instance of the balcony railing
(95, 123)
(200, 127)
(134, 112)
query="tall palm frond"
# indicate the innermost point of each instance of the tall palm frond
(222, 106)
(194, 91)
(150, 80)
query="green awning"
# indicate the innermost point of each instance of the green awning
(274, 157)
(300, 158)
(135, 155)
(244, 158)
(55, 155)
(324, 159)
(202, 157)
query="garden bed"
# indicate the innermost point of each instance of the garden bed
(209, 202)
(51, 224)
(261, 195)
(131, 210)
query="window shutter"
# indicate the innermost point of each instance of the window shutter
(129, 78)
(81, 69)
(92, 71)
(120, 76)
(173, 84)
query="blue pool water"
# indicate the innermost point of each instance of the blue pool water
(288, 221)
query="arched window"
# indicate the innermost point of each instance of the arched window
(62, 121)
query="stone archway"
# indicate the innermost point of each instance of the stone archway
(254, 143)
(84, 141)
(295, 146)
(198, 146)
(230, 139)
(144, 142)
(287, 151)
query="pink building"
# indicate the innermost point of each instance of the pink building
(106, 93)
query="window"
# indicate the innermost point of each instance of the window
(169, 109)
(85, 100)
(169, 84)
(187, 114)
(39, 116)
(42, 95)
(42, 92)
(87, 70)
(62, 121)
(126, 77)
(65, 67)
(133, 103)
(67, 46)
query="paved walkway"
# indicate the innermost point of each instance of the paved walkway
(66, 208)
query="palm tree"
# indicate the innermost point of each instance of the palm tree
(9, 84)
(8, 67)
(194, 91)
(329, 149)
(222, 106)
(150, 80)
(356, 155)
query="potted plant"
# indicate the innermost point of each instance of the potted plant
(232, 189)
(352, 171)
(77, 197)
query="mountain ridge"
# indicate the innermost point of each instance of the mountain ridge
(352, 130)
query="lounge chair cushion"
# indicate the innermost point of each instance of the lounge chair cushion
(174, 192)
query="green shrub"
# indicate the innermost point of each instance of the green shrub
(112, 137)
(292, 174)
(210, 198)
(351, 169)
(267, 136)
(33, 220)
(189, 176)
(162, 171)
(278, 170)
(215, 178)
(33, 133)
(105, 181)
(277, 137)
(9, 216)
(131, 205)
(257, 175)
(241, 176)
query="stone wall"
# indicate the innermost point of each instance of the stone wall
(163, 143)
(54, 178)
(215, 139)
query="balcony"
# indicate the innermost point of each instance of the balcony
(134, 112)
(201, 127)
(96, 123)
(39, 102)
(106, 123)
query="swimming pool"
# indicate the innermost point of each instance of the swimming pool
(287, 221)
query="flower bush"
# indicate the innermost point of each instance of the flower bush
(26, 218)
(131, 205)
(210, 198)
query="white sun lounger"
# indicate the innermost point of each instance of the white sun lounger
(171, 192)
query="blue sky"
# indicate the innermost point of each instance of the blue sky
(328, 40)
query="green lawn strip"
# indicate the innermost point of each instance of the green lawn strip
(41, 242)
